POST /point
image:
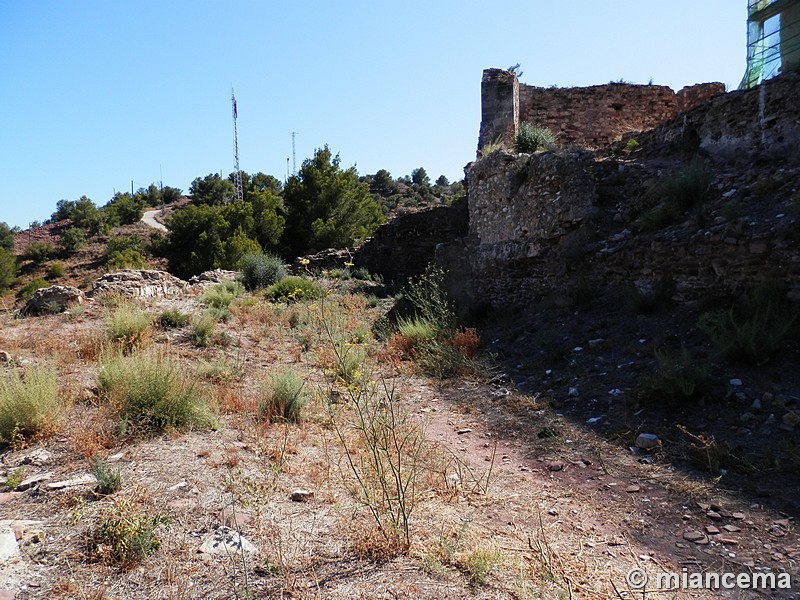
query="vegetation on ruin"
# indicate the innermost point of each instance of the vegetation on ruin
(533, 137)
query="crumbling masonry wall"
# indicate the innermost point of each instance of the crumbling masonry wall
(530, 216)
(548, 244)
(530, 224)
(587, 117)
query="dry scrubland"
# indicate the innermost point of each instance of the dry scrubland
(358, 463)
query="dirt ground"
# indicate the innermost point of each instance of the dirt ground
(529, 481)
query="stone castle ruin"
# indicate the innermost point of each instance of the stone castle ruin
(586, 117)
(533, 223)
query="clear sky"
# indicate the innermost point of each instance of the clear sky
(95, 94)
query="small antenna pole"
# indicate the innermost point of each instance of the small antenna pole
(294, 155)
(237, 174)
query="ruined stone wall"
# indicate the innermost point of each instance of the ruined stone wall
(587, 117)
(509, 274)
(499, 106)
(592, 117)
(538, 224)
(528, 197)
(762, 121)
(540, 234)
(405, 245)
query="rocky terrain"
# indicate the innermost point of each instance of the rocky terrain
(521, 494)
(621, 398)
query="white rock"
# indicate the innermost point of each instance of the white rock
(32, 481)
(301, 495)
(225, 542)
(453, 480)
(8, 544)
(573, 392)
(37, 457)
(645, 441)
(735, 382)
(85, 479)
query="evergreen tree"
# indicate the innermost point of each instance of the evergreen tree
(327, 207)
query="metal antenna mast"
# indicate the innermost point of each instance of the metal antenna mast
(294, 156)
(237, 174)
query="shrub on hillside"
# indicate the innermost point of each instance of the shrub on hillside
(687, 188)
(124, 537)
(8, 268)
(152, 392)
(128, 328)
(71, 240)
(26, 292)
(262, 270)
(431, 337)
(6, 236)
(125, 252)
(126, 259)
(38, 252)
(756, 327)
(678, 376)
(221, 295)
(203, 329)
(294, 289)
(55, 271)
(29, 405)
(749, 339)
(172, 318)
(109, 480)
(283, 397)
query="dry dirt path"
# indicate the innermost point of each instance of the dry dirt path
(595, 509)
(149, 218)
(536, 506)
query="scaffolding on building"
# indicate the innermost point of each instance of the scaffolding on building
(773, 39)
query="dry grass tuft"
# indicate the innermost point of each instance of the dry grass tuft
(234, 401)
(94, 432)
(372, 543)
(29, 406)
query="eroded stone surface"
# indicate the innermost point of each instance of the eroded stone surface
(140, 284)
(52, 300)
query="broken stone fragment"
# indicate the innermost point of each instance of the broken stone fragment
(697, 537)
(52, 300)
(302, 495)
(647, 441)
(791, 419)
(225, 542)
(8, 544)
(31, 481)
(85, 479)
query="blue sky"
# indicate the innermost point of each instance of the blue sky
(95, 94)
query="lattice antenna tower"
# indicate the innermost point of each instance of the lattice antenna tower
(237, 174)
(294, 155)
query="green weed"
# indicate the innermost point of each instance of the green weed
(28, 406)
(532, 137)
(108, 480)
(128, 328)
(151, 392)
(283, 397)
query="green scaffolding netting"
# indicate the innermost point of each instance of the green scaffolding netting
(773, 39)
